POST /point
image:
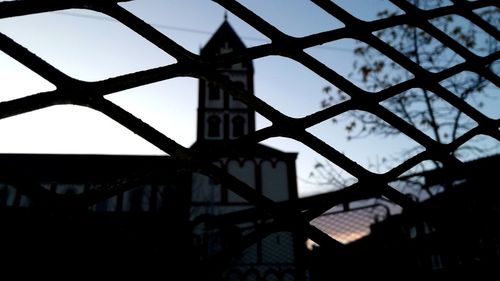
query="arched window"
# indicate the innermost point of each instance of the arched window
(239, 85)
(213, 92)
(238, 126)
(214, 126)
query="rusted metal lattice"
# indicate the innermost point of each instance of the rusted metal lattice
(285, 215)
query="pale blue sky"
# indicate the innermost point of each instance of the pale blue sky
(91, 46)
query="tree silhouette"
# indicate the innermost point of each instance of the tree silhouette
(418, 106)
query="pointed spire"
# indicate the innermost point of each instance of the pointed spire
(225, 15)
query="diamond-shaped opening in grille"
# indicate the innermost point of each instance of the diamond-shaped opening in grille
(495, 66)
(245, 170)
(169, 106)
(364, 66)
(412, 182)
(420, 47)
(69, 129)
(315, 174)
(279, 79)
(357, 8)
(261, 122)
(296, 18)
(215, 208)
(213, 234)
(84, 48)
(209, 197)
(332, 96)
(430, 4)
(19, 81)
(489, 14)
(174, 18)
(367, 139)
(426, 111)
(476, 90)
(469, 35)
(328, 177)
(348, 223)
(478, 147)
(206, 194)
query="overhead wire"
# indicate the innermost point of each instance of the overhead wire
(196, 31)
(190, 30)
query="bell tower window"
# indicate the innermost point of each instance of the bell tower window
(213, 92)
(214, 123)
(235, 102)
(239, 85)
(238, 126)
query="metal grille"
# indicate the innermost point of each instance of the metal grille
(290, 214)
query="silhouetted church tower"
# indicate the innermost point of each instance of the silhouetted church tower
(269, 171)
(220, 116)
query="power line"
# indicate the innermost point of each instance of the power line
(190, 30)
(160, 26)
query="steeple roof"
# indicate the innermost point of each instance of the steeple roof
(225, 36)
